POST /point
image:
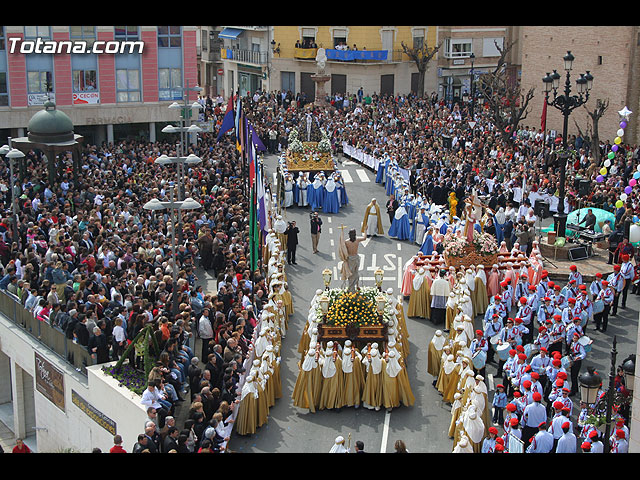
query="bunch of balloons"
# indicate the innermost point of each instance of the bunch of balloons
(624, 118)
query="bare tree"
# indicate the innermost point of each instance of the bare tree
(421, 56)
(503, 96)
(596, 114)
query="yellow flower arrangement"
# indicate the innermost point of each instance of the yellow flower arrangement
(352, 308)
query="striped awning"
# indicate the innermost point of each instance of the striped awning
(231, 33)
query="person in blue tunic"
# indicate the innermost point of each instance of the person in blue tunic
(400, 227)
(419, 227)
(331, 204)
(427, 245)
(317, 197)
(382, 167)
(444, 226)
(342, 191)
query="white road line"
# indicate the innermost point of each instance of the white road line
(399, 246)
(333, 255)
(363, 175)
(331, 242)
(399, 272)
(373, 279)
(490, 382)
(385, 432)
(330, 231)
(329, 219)
(346, 176)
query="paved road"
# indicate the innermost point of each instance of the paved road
(422, 427)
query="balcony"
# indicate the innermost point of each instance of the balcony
(353, 56)
(244, 56)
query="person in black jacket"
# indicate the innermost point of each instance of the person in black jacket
(292, 242)
(80, 331)
(170, 442)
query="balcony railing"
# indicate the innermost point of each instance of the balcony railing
(245, 56)
(50, 336)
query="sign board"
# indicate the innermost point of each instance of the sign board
(82, 98)
(97, 416)
(39, 98)
(49, 381)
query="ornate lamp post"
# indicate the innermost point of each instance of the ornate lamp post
(566, 103)
(186, 204)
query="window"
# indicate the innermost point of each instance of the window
(204, 40)
(490, 46)
(418, 37)
(35, 32)
(4, 96)
(128, 85)
(83, 34)
(39, 81)
(1, 37)
(169, 36)
(168, 79)
(84, 80)
(126, 33)
(456, 47)
(339, 37)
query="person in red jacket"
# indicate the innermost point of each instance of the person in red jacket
(21, 447)
(117, 445)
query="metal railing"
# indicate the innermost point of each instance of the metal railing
(48, 335)
(246, 56)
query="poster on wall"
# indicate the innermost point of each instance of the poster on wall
(49, 381)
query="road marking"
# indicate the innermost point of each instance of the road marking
(363, 175)
(331, 241)
(373, 279)
(399, 272)
(399, 246)
(330, 231)
(329, 219)
(490, 382)
(333, 255)
(349, 162)
(346, 176)
(366, 242)
(385, 432)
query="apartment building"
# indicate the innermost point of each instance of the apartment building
(119, 86)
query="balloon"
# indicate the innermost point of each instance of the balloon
(623, 196)
(632, 182)
(623, 124)
(607, 163)
(603, 171)
(615, 149)
(634, 233)
(636, 175)
(628, 189)
(636, 219)
(620, 132)
(617, 140)
(619, 204)
(600, 178)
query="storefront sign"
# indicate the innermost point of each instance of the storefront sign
(97, 416)
(49, 381)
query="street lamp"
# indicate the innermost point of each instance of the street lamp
(590, 383)
(12, 154)
(566, 103)
(186, 204)
(473, 82)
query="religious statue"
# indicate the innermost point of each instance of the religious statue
(321, 60)
(350, 258)
(473, 214)
(453, 204)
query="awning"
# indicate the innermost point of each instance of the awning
(231, 33)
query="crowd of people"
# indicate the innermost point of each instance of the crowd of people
(85, 256)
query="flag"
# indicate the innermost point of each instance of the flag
(543, 123)
(228, 120)
(239, 122)
(255, 139)
(254, 233)
(262, 212)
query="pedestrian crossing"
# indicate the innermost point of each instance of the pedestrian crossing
(360, 173)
